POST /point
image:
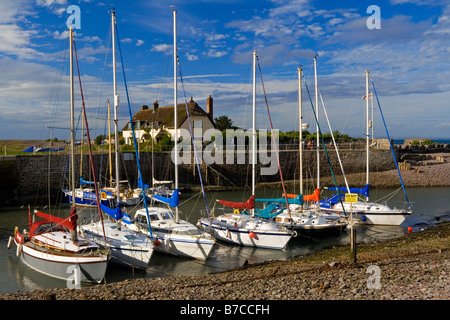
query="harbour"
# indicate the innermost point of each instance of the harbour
(431, 207)
(185, 199)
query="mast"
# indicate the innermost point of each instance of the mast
(73, 233)
(116, 105)
(175, 98)
(300, 125)
(317, 122)
(367, 129)
(254, 128)
(109, 145)
(82, 142)
(72, 120)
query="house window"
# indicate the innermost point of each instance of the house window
(198, 124)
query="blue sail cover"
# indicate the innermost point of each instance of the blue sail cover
(126, 218)
(363, 191)
(172, 201)
(82, 181)
(142, 184)
(331, 201)
(296, 200)
(115, 213)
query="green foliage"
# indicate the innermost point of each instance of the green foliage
(99, 139)
(166, 143)
(223, 123)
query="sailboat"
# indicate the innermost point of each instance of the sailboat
(85, 196)
(52, 246)
(304, 220)
(124, 196)
(368, 212)
(247, 229)
(175, 236)
(128, 247)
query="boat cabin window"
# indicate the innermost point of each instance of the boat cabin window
(141, 221)
(153, 217)
(167, 216)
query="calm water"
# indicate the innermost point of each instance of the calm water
(430, 205)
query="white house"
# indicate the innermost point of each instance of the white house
(152, 123)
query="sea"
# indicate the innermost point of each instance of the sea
(430, 206)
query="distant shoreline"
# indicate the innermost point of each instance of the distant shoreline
(420, 176)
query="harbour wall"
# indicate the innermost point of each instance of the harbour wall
(36, 179)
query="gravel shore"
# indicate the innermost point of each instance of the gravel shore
(414, 267)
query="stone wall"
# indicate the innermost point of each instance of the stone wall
(26, 179)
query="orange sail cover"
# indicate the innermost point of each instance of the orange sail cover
(308, 197)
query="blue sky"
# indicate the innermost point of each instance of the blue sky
(408, 58)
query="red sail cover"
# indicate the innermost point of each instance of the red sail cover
(69, 223)
(308, 197)
(249, 204)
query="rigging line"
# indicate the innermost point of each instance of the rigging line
(390, 144)
(192, 138)
(89, 144)
(275, 145)
(335, 145)
(140, 181)
(56, 90)
(108, 40)
(351, 107)
(325, 149)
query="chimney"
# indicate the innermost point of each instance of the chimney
(209, 107)
(144, 107)
(155, 105)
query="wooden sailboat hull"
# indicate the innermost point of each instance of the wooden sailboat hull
(58, 265)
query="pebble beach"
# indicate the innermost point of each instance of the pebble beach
(413, 267)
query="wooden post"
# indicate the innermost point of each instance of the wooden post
(352, 198)
(352, 237)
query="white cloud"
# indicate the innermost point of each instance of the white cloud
(165, 48)
(16, 41)
(139, 43)
(215, 54)
(191, 57)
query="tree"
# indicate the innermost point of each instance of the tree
(223, 123)
(99, 139)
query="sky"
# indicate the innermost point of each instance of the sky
(405, 45)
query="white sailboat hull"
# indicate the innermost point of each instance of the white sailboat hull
(373, 213)
(246, 231)
(177, 238)
(184, 246)
(128, 247)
